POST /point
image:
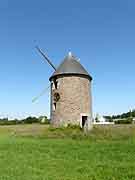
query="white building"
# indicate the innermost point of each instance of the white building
(101, 120)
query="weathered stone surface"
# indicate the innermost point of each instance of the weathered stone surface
(75, 100)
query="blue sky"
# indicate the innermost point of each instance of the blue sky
(100, 33)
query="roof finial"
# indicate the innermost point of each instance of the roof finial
(69, 53)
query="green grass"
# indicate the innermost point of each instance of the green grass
(38, 152)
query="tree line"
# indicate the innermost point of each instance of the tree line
(28, 120)
(129, 114)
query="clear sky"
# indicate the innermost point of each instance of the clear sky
(100, 33)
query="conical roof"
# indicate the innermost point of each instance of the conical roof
(70, 65)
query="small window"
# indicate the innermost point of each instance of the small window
(56, 84)
(56, 97)
(52, 84)
(54, 106)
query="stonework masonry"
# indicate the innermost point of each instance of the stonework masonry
(75, 99)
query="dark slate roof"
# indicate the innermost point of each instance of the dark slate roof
(70, 65)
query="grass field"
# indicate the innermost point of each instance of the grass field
(37, 152)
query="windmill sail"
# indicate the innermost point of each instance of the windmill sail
(41, 94)
(47, 59)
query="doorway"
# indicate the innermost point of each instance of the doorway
(84, 120)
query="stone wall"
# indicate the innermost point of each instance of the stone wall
(75, 99)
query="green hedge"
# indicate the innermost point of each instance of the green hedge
(124, 121)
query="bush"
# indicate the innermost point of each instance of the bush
(7, 122)
(30, 120)
(124, 121)
(44, 120)
(71, 126)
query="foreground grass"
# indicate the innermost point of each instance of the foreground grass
(37, 152)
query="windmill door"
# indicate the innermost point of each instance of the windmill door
(84, 121)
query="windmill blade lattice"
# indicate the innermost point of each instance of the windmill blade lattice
(41, 94)
(45, 57)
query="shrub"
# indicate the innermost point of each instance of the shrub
(124, 121)
(30, 120)
(71, 126)
(44, 120)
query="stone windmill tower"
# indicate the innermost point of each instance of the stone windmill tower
(71, 100)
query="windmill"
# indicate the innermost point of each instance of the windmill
(71, 100)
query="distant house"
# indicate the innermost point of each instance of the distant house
(101, 120)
